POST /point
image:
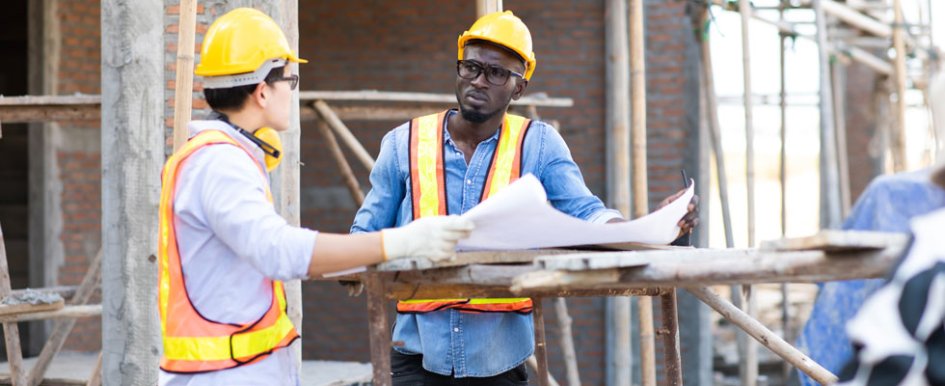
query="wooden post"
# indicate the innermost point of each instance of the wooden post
(843, 175)
(347, 137)
(640, 196)
(618, 169)
(763, 335)
(899, 139)
(782, 104)
(132, 154)
(484, 7)
(183, 93)
(567, 342)
(11, 332)
(541, 350)
(350, 180)
(62, 328)
(828, 148)
(670, 332)
(533, 364)
(379, 328)
(95, 379)
(748, 350)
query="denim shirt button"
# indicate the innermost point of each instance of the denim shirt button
(456, 329)
(468, 182)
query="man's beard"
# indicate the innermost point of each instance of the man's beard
(479, 117)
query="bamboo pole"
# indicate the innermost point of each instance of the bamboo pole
(11, 332)
(763, 335)
(342, 131)
(828, 149)
(782, 104)
(183, 94)
(748, 364)
(485, 7)
(618, 170)
(350, 180)
(899, 140)
(640, 196)
(567, 342)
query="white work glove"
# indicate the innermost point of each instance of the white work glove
(433, 238)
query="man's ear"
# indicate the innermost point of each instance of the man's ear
(520, 87)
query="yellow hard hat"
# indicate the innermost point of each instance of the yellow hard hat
(241, 42)
(506, 30)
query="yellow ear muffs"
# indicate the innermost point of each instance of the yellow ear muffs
(271, 144)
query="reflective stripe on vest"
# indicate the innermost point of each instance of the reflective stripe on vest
(193, 344)
(428, 190)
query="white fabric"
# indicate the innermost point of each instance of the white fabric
(232, 243)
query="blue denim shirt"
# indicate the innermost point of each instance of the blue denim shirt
(453, 342)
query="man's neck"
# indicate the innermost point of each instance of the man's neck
(245, 120)
(472, 133)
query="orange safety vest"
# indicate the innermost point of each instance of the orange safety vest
(193, 344)
(428, 189)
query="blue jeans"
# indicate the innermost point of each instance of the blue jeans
(407, 370)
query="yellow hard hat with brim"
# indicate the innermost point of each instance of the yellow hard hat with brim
(241, 44)
(506, 30)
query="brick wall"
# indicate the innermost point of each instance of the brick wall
(407, 46)
(80, 168)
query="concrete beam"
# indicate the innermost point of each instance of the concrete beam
(132, 146)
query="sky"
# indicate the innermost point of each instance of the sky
(802, 75)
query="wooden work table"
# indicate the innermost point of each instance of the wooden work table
(830, 255)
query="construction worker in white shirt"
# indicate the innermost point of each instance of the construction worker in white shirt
(224, 250)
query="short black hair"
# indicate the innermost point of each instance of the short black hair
(233, 98)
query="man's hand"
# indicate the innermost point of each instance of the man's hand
(691, 219)
(433, 238)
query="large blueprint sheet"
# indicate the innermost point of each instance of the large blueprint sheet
(520, 217)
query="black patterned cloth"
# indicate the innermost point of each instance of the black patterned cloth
(899, 335)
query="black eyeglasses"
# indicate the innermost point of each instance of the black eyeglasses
(470, 70)
(292, 79)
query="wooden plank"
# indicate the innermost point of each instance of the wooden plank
(763, 335)
(539, 100)
(63, 313)
(899, 138)
(11, 333)
(837, 241)
(50, 100)
(25, 308)
(474, 257)
(719, 267)
(24, 114)
(582, 261)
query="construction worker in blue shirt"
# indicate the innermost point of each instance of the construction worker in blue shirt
(446, 163)
(224, 251)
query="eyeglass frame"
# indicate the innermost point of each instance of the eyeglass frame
(482, 67)
(292, 79)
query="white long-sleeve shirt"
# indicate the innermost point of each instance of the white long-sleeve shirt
(232, 244)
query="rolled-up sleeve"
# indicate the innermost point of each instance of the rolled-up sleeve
(236, 208)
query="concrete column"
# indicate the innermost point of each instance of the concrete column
(132, 145)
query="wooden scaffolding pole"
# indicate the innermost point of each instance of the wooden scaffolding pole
(11, 332)
(748, 350)
(639, 183)
(484, 7)
(618, 173)
(899, 138)
(567, 343)
(782, 104)
(830, 206)
(183, 93)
